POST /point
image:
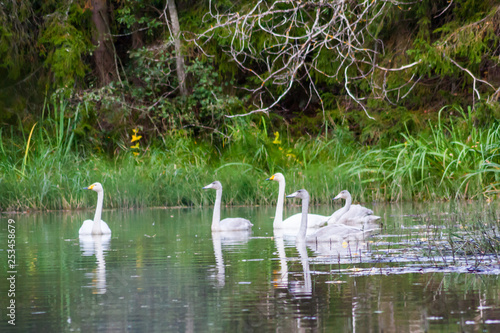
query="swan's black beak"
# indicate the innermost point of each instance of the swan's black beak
(85, 188)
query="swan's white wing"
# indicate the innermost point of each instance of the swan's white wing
(314, 221)
(234, 224)
(335, 216)
(357, 214)
(105, 229)
(86, 228)
(357, 211)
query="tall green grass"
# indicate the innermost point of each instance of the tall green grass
(453, 160)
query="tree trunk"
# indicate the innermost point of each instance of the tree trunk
(104, 53)
(176, 30)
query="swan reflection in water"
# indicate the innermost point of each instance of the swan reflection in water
(346, 245)
(281, 280)
(230, 239)
(302, 289)
(299, 289)
(96, 245)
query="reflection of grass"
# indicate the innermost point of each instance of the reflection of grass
(448, 236)
(454, 160)
(466, 238)
(476, 239)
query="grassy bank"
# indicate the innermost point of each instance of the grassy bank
(47, 168)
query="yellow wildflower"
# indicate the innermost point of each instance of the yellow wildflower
(135, 138)
(136, 146)
(277, 140)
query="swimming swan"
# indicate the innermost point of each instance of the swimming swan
(293, 222)
(331, 233)
(97, 226)
(351, 214)
(229, 224)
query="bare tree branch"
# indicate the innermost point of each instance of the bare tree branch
(475, 79)
(285, 42)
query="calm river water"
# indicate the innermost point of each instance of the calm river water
(164, 271)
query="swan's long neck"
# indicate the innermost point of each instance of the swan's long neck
(96, 228)
(216, 216)
(278, 218)
(347, 205)
(301, 237)
(344, 209)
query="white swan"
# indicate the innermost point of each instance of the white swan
(351, 214)
(229, 224)
(293, 222)
(331, 233)
(97, 226)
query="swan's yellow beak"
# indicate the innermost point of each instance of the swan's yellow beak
(270, 178)
(89, 188)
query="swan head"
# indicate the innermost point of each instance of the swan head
(216, 185)
(301, 194)
(343, 195)
(94, 187)
(277, 177)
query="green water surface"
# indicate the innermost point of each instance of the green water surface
(162, 270)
